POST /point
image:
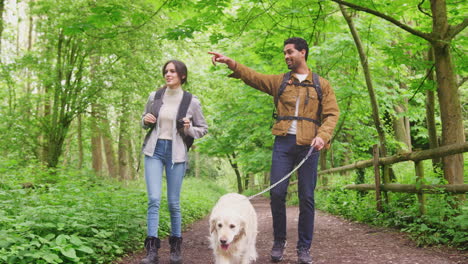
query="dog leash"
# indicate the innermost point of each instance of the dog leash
(311, 150)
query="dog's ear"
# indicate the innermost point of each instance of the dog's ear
(241, 230)
(213, 225)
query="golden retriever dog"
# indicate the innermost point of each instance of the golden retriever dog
(233, 230)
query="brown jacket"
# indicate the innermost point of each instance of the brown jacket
(306, 130)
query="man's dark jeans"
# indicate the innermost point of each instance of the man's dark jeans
(286, 154)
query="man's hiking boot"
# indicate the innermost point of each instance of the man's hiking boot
(303, 256)
(277, 250)
(152, 244)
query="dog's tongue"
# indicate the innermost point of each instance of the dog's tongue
(224, 246)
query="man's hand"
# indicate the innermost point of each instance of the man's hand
(218, 57)
(317, 143)
(149, 119)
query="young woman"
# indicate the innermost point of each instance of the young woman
(164, 147)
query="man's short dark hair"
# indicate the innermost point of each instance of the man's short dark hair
(299, 44)
(181, 70)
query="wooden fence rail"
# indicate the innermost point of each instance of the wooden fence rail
(413, 156)
(417, 188)
(411, 188)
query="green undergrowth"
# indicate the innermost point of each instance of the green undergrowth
(442, 224)
(73, 216)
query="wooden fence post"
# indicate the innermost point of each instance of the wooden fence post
(418, 165)
(378, 198)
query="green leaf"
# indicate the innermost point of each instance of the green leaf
(51, 258)
(60, 226)
(62, 240)
(68, 252)
(75, 240)
(86, 249)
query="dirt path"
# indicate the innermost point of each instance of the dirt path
(335, 241)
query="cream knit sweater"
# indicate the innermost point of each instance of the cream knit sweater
(168, 111)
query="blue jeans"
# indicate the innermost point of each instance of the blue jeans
(175, 172)
(286, 154)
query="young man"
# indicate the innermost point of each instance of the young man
(306, 117)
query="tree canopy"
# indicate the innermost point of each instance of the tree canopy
(76, 75)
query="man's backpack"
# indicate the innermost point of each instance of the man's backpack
(181, 113)
(318, 89)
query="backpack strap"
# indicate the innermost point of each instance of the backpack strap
(317, 122)
(318, 90)
(285, 81)
(183, 108)
(157, 101)
(181, 113)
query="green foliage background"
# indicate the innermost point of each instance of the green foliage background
(70, 216)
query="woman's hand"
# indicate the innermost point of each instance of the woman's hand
(149, 119)
(186, 123)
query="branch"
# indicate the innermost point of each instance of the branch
(421, 84)
(422, 10)
(454, 30)
(405, 27)
(462, 81)
(134, 28)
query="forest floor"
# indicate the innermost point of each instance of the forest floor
(335, 241)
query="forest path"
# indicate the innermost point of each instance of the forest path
(335, 241)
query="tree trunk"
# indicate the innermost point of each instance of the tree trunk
(109, 148)
(370, 89)
(251, 183)
(125, 155)
(96, 141)
(367, 75)
(449, 102)
(124, 142)
(28, 72)
(266, 178)
(2, 8)
(80, 142)
(430, 113)
(323, 166)
(55, 140)
(233, 162)
(131, 158)
(323, 159)
(447, 91)
(401, 128)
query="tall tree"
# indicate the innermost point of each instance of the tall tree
(124, 143)
(430, 111)
(96, 141)
(370, 89)
(66, 95)
(108, 144)
(440, 39)
(2, 8)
